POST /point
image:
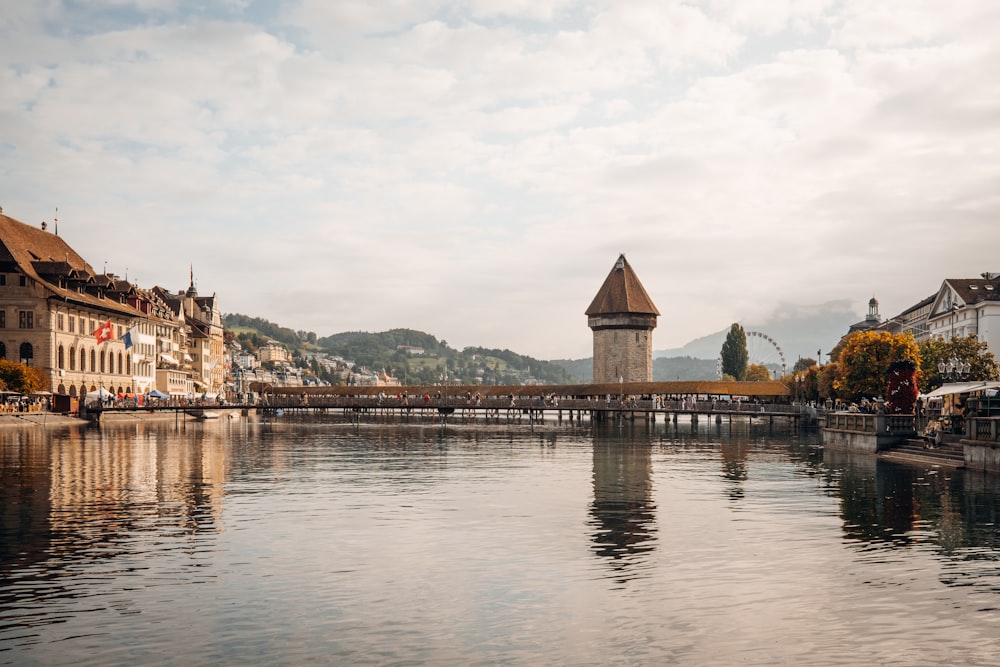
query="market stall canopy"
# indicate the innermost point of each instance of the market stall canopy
(156, 393)
(961, 388)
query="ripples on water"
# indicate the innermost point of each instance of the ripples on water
(308, 541)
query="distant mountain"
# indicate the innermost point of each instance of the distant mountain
(664, 369)
(798, 330)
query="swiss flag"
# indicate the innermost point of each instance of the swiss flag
(104, 333)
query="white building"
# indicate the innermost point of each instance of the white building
(966, 307)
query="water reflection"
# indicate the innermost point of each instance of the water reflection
(623, 509)
(86, 495)
(952, 513)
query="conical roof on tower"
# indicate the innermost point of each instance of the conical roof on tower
(621, 293)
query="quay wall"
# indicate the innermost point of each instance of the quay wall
(870, 433)
(981, 445)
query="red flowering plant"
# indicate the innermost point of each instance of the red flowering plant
(901, 395)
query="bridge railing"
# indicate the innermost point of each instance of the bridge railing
(525, 402)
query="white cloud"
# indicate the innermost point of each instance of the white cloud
(473, 170)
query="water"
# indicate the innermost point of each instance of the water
(312, 542)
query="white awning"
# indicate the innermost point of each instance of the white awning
(961, 388)
(167, 358)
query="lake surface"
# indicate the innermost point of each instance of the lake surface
(307, 541)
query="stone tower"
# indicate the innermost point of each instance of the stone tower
(622, 317)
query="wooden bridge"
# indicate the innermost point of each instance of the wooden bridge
(517, 403)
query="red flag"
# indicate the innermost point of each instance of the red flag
(104, 333)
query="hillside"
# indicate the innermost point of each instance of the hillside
(413, 356)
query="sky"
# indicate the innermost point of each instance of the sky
(473, 169)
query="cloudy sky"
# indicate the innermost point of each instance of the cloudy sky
(473, 168)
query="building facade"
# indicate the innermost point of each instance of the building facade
(622, 317)
(967, 307)
(89, 332)
(51, 304)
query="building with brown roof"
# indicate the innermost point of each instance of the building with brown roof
(51, 303)
(965, 307)
(204, 348)
(961, 307)
(622, 317)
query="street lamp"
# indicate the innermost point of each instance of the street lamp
(954, 368)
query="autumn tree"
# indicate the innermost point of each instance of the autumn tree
(757, 373)
(967, 349)
(734, 353)
(20, 378)
(865, 358)
(826, 379)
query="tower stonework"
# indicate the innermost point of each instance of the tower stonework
(622, 317)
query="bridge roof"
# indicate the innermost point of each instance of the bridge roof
(712, 388)
(622, 293)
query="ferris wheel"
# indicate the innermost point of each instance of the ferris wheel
(762, 350)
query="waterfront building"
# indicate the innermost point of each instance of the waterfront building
(961, 307)
(204, 346)
(52, 303)
(965, 307)
(622, 317)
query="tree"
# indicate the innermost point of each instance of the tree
(865, 359)
(20, 378)
(967, 349)
(757, 373)
(827, 379)
(734, 353)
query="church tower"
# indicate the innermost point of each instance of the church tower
(622, 317)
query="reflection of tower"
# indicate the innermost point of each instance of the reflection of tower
(622, 317)
(623, 509)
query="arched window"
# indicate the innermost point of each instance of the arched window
(83, 361)
(128, 364)
(93, 360)
(72, 360)
(72, 387)
(102, 361)
(61, 360)
(61, 389)
(27, 353)
(119, 363)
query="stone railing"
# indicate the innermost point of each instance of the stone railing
(870, 423)
(983, 429)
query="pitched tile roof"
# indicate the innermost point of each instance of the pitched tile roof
(47, 258)
(972, 290)
(622, 293)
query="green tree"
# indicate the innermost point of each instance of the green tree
(966, 349)
(865, 358)
(734, 353)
